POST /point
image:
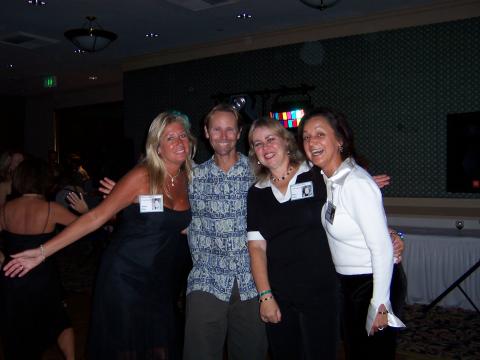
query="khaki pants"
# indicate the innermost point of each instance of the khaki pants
(209, 320)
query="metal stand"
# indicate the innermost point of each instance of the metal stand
(453, 286)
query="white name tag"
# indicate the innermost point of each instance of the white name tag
(330, 213)
(302, 190)
(150, 203)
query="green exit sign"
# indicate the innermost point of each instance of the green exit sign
(50, 81)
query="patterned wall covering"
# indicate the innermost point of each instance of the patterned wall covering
(396, 87)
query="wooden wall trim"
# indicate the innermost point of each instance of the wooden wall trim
(448, 207)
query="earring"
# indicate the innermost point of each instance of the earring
(340, 148)
(258, 162)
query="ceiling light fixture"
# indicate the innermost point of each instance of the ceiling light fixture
(244, 16)
(37, 2)
(93, 77)
(89, 38)
(152, 35)
(320, 4)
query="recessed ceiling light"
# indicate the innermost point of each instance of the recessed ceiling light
(37, 2)
(152, 35)
(93, 77)
(79, 51)
(244, 16)
(10, 66)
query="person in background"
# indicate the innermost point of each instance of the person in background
(33, 311)
(9, 160)
(355, 223)
(132, 314)
(72, 180)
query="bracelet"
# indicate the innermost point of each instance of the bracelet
(269, 291)
(400, 234)
(42, 253)
(266, 299)
(383, 312)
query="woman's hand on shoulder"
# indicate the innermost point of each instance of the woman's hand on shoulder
(382, 180)
(398, 245)
(77, 202)
(127, 190)
(107, 186)
(270, 311)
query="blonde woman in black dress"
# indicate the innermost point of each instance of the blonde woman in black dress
(132, 316)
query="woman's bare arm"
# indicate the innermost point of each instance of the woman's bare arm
(269, 310)
(125, 193)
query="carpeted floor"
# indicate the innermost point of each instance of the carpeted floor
(445, 333)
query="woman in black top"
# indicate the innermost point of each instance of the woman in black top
(290, 258)
(32, 309)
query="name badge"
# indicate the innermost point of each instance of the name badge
(302, 190)
(151, 203)
(330, 213)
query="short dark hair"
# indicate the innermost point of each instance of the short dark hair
(223, 107)
(339, 124)
(31, 177)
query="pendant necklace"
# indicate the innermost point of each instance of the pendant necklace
(172, 178)
(275, 179)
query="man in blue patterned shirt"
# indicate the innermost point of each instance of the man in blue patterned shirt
(221, 294)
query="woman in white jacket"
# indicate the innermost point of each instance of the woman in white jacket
(355, 223)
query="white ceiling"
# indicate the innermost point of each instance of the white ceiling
(177, 26)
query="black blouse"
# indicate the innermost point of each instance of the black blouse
(299, 263)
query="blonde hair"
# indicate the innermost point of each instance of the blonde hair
(295, 155)
(154, 163)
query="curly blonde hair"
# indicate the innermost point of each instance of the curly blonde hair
(154, 163)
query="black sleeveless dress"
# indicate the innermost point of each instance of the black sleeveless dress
(133, 306)
(33, 313)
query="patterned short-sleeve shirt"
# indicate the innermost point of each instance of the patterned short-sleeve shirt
(217, 235)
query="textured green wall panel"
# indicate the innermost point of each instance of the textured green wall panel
(396, 87)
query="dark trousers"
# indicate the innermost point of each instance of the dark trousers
(209, 320)
(356, 291)
(305, 332)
